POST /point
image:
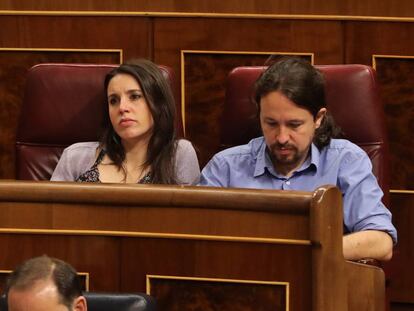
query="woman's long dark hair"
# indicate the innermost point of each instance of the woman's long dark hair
(162, 144)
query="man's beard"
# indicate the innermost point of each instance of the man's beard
(290, 159)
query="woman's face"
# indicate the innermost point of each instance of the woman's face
(129, 113)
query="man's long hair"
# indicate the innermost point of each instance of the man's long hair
(304, 85)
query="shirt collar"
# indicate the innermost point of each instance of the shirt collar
(315, 156)
(262, 160)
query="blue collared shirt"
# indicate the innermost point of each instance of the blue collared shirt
(341, 163)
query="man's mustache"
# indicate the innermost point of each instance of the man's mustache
(279, 146)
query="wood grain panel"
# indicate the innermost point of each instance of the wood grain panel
(204, 79)
(402, 306)
(127, 33)
(400, 269)
(13, 69)
(99, 256)
(46, 33)
(396, 81)
(189, 294)
(226, 260)
(338, 7)
(83, 278)
(363, 40)
(173, 35)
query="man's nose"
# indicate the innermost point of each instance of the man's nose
(282, 135)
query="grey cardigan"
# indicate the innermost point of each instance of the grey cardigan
(78, 158)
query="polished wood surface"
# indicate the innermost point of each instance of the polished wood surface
(394, 77)
(403, 8)
(400, 269)
(365, 284)
(121, 234)
(15, 64)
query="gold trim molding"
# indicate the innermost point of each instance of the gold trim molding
(396, 191)
(375, 56)
(182, 61)
(157, 235)
(211, 15)
(200, 279)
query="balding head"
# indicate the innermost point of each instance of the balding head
(47, 283)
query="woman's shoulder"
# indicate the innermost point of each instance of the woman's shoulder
(187, 167)
(184, 144)
(83, 147)
(75, 160)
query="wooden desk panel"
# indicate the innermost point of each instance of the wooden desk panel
(122, 234)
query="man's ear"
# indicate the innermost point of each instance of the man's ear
(80, 304)
(319, 117)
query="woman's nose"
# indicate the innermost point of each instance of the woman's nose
(123, 105)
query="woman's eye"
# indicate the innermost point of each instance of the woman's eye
(113, 101)
(136, 96)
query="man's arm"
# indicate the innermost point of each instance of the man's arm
(215, 173)
(370, 244)
(365, 216)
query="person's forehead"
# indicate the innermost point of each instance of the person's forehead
(40, 290)
(275, 104)
(123, 78)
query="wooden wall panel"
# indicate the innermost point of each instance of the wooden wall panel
(363, 41)
(204, 259)
(396, 80)
(38, 36)
(324, 38)
(204, 80)
(13, 69)
(401, 285)
(226, 295)
(132, 35)
(339, 40)
(335, 7)
(173, 35)
(81, 252)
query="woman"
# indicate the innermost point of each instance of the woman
(138, 144)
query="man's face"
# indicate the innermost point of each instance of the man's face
(288, 131)
(42, 296)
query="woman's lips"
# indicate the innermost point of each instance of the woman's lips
(126, 122)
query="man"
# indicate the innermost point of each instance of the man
(44, 284)
(298, 152)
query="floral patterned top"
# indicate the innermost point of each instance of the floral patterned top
(92, 175)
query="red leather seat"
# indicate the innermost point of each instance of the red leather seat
(63, 104)
(352, 98)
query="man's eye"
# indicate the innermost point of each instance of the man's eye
(295, 125)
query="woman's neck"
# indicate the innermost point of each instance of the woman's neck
(135, 153)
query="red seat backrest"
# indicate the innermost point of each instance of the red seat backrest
(63, 104)
(351, 96)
